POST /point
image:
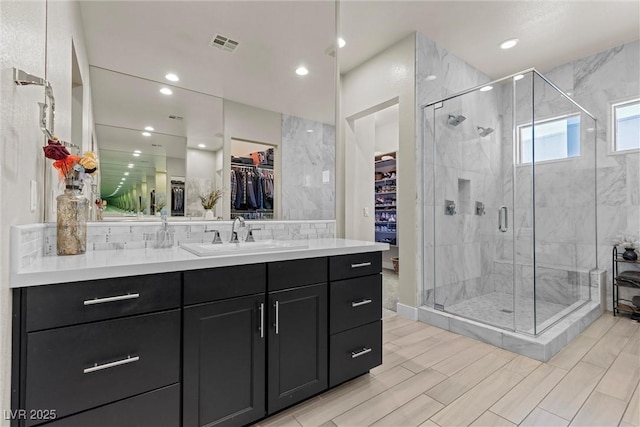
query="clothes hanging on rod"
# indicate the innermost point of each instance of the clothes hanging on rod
(177, 198)
(252, 188)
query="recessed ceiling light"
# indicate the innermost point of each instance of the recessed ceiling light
(309, 130)
(126, 174)
(519, 77)
(508, 44)
(486, 88)
(130, 165)
(431, 77)
(569, 93)
(123, 179)
(171, 77)
(302, 71)
(201, 145)
(341, 42)
(136, 154)
(166, 91)
(146, 134)
(149, 128)
(137, 151)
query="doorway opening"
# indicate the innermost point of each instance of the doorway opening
(372, 200)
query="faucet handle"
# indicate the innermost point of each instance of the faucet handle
(250, 231)
(216, 237)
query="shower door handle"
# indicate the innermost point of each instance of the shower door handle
(503, 219)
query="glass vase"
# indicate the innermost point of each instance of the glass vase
(72, 215)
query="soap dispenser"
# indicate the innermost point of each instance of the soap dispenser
(164, 235)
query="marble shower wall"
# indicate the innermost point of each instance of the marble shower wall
(564, 195)
(597, 82)
(467, 169)
(308, 180)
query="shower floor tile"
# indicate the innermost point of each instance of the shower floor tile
(496, 308)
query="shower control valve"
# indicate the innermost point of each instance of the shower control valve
(449, 207)
(480, 208)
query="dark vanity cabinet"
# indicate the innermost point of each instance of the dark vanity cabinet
(87, 351)
(298, 331)
(223, 346)
(355, 313)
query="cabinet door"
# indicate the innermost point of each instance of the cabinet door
(298, 346)
(224, 359)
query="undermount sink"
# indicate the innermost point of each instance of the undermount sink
(209, 249)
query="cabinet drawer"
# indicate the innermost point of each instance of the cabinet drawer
(73, 303)
(158, 408)
(354, 265)
(354, 352)
(80, 367)
(299, 272)
(224, 282)
(355, 302)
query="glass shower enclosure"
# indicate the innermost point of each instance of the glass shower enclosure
(509, 204)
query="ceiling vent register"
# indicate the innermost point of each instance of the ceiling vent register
(224, 43)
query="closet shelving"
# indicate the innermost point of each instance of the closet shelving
(385, 189)
(621, 305)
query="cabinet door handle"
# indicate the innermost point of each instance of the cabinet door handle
(111, 299)
(362, 264)
(261, 320)
(95, 368)
(362, 352)
(277, 318)
(359, 303)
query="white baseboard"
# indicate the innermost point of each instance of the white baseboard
(407, 311)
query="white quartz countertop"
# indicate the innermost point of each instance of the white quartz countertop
(131, 262)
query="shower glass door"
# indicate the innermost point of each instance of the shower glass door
(472, 159)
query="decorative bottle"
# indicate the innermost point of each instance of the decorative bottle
(72, 215)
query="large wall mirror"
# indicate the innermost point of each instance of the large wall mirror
(238, 88)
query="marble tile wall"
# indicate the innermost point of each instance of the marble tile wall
(596, 82)
(193, 188)
(308, 181)
(565, 191)
(37, 240)
(467, 169)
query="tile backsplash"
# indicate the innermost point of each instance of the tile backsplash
(37, 240)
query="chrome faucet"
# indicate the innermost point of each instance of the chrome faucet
(234, 233)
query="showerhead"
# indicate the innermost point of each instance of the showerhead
(456, 120)
(484, 131)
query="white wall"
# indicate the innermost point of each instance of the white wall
(387, 78)
(22, 45)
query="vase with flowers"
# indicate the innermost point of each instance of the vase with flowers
(630, 243)
(72, 207)
(209, 200)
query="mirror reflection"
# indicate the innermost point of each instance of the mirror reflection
(169, 90)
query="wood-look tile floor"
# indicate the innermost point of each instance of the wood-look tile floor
(432, 377)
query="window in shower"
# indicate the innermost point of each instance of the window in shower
(555, 139)
(626, 125)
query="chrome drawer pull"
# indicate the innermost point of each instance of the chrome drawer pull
(261, 320)
(95, 368)
(362, 352)
(359, 303)
(277, 318)
(111, 299)
(362, 264)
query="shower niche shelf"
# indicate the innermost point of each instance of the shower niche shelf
(385, 193)
(622, 305)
